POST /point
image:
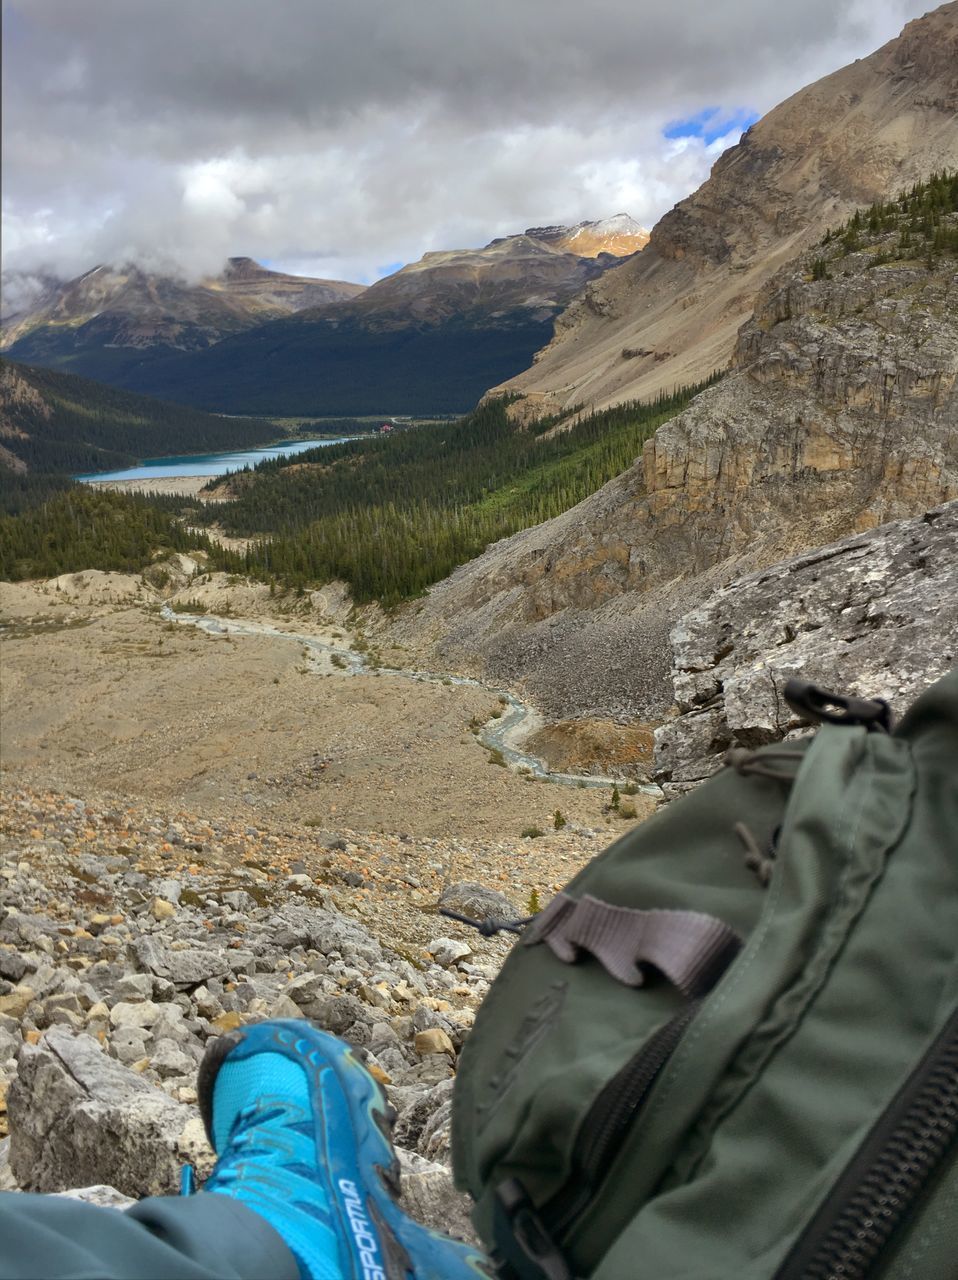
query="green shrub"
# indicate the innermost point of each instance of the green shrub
(558, 821)
(532, 833)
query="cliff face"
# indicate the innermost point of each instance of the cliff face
(840, 413)
(670, 315)
(874, 615)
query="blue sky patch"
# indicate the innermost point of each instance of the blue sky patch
(711, 123)
(389, 269)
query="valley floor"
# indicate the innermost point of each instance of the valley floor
(113, 705)
(186, 486)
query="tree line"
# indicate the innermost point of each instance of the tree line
(83, 528)
(390, 517)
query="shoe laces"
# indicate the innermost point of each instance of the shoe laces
(258, 1135)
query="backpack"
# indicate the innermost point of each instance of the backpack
(728, 1050)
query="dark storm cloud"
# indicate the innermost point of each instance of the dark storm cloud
(344, 135)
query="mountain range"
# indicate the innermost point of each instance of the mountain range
(128, 307)
(431, 337)
(835, 321)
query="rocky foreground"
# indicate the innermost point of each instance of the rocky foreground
(129, 941)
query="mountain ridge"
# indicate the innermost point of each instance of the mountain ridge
(670, 315)
(53, 422)
(463, 319)
(137, 308)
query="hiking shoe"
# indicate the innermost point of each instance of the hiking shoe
(302, 1134)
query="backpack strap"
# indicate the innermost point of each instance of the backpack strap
(690, 948)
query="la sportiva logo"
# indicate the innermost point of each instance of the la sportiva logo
(367, 1244)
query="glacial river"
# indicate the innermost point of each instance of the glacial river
(209, 464)
(503, 734)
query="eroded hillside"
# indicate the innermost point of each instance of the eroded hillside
(670, 315)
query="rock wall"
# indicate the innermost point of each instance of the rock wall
(874, 615)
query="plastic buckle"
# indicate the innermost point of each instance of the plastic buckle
(821, 706)
(522, 1242)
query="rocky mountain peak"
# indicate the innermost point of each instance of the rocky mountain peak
(619, 235)
(670, 315)
(130, 306)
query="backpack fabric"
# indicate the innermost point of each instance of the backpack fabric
(729, 1048)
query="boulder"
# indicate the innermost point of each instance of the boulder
(16, 1002)
(79, 1117)
(477, 902)
(187, 968)
(429, 1196)
(325, 932)
(425, 1120)
(434, 1040)
(447, 951)
(103, 1197)
(874, 615)
(141, 1013)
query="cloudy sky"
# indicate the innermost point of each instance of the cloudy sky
(341, 139)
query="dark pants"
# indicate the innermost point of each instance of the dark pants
(201, 1237)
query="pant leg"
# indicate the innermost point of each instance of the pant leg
(200, 1237)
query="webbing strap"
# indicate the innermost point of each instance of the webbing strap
(690, 948)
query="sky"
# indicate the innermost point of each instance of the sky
(342, 139)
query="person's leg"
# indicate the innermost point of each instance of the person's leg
(163, 1238)
(304, 1187)
(302, 1134)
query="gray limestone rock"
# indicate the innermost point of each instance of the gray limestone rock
(142, 1013)
(325, 932)
(128, 1044)
(12, 966)
(134, 986)
(428, 1195)
(78, 1117)
(187, 968)
(168, 1059)
(102, 1196)
(874, 615)
(447, 951)
(424, 1120)
(7, 1181)
(477, 902)
(10, 1042)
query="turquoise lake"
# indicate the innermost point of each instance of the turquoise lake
(209, 464)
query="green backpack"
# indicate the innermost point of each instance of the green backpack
(729, 1049)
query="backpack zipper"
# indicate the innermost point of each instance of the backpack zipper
(609, 1120)
(884, 1181)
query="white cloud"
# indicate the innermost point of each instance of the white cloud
(351, 136)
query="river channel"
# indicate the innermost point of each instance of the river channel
(504, 734)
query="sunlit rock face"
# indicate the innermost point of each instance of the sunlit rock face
(670, 315)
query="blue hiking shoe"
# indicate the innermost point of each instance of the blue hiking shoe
(302, 1134)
